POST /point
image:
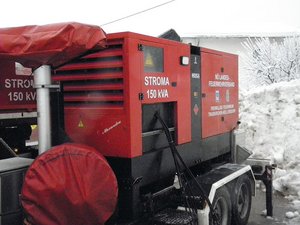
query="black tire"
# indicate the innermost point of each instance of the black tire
(222, 207)
(241, 201)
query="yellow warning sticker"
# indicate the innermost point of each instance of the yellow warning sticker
(149, 60)
(80, 124)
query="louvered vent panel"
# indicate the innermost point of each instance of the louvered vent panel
(95, 80)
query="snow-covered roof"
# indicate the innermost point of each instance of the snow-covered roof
(264, 30)
(241, 35)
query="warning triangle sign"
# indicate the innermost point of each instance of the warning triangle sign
(80, 124)
(149, 60)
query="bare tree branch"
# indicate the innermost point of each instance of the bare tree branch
(270, 61)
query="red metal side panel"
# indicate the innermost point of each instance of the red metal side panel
(133, 104)
(102, 105)
(172, 84)
(16, 87)
(96, 95)
(107, 130)
(184, 125)
(219, 78)
(157, 86)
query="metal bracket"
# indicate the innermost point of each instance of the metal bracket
(128, 183)
(20, 115)
(263, 170)
(267, 179)
(140, 47)
(51, 86)
(156, 132)
(11, 152)
(141, 96)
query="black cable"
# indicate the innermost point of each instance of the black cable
(176, 154)
(137, 13)
(190, 207)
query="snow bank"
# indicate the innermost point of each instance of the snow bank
(271, 118)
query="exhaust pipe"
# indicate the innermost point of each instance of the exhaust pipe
(42, 83)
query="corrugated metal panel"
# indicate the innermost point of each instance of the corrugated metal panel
(95, 79)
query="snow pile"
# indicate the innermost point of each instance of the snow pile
(271, 118)
(291, 215)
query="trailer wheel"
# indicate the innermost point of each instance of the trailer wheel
(241, 201)
(222, 207)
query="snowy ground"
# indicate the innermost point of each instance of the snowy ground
(271, 118)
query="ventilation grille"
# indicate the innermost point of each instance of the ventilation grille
(95, 80)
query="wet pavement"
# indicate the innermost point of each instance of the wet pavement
(280, 206)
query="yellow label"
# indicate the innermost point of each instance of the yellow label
(149, 60)
(80, 124)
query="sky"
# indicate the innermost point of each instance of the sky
(185, 16)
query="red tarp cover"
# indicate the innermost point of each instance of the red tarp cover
(69, 184)
(52, 44)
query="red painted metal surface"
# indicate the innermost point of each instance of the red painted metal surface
(171, 85)
(102, 89)
(219, 77)
(69, 184)
(16, 87)
(52, 44)
(32, 46)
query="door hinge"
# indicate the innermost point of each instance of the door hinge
(140, 47)
(141, 96)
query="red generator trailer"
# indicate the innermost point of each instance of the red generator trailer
(143, 133)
